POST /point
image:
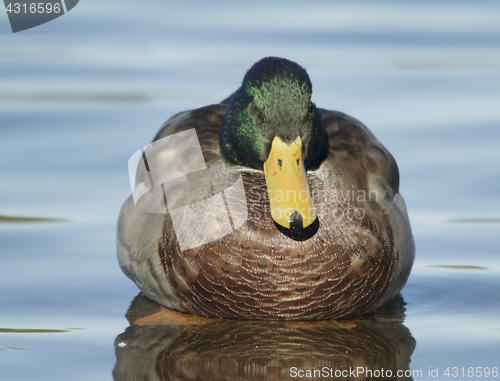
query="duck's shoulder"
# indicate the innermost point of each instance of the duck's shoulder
(205, 120)
(354, 149)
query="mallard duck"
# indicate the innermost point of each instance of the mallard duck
(292, 212)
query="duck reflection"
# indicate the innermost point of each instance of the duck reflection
(161, 344)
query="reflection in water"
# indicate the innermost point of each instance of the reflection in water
(164, 345)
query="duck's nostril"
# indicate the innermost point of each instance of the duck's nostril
(296, 222)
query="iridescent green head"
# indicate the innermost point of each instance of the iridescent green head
(274, 100)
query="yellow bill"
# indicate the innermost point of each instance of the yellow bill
(287, 186)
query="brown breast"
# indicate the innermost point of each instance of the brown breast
(340, 269)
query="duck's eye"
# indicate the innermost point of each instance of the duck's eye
(280, 162)
(253, 108)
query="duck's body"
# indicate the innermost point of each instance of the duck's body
(356, 255)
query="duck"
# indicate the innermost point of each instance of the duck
(266, 207)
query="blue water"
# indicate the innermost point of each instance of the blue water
(81, 94)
